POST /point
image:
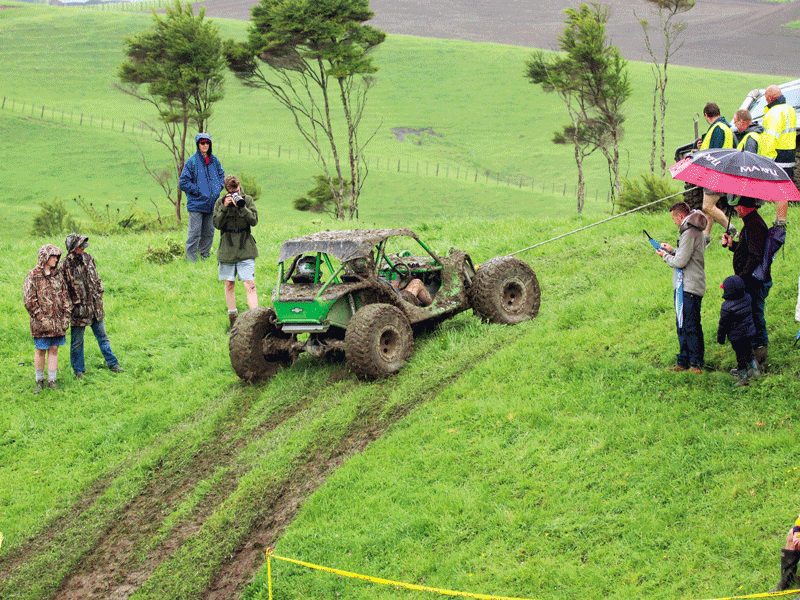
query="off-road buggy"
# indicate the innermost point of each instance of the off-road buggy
(335, 294)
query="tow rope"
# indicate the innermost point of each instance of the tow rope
(600, 222)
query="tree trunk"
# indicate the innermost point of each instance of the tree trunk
(581, 190)
(655, 128)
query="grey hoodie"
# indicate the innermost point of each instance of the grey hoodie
(690, 254)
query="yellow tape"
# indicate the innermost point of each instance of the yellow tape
(765, 595)
(423, 588)
(410, 586)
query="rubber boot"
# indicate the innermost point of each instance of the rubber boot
(744, 378)
(232, 317)
(789, 560)
(760, 354)
(754, 371)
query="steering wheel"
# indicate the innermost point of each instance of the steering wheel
(403, 271)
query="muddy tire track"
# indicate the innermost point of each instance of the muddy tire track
(115, 567)
(136, 539)
(283, 506)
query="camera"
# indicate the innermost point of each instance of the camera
(238, 199)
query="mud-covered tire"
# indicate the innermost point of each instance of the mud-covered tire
(252, 345)
(505, 290)
(693, 196)
(378, 341)
(796, 172)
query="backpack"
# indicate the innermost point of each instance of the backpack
(776, 237)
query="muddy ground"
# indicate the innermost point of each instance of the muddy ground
(729, 35)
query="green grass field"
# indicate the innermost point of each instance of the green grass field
(552, 460)
(492, 121)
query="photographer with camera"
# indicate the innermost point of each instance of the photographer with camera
(234, 215)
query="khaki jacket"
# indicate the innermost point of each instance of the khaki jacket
(46, 298)
(83, 284)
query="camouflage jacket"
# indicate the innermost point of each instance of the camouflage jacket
(84, 284)
(46, 297)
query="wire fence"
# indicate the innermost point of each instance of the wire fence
(277, 150)
(123, 6)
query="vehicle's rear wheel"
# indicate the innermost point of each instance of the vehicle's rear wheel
(693, 196)
(258, 349)
(506, 291)
(378, 341)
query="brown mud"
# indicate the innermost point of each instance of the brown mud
(742, 36)
(134, 541)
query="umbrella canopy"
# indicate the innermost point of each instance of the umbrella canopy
(736, 172)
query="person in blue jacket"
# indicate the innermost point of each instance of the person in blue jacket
(202, 180)
(736, 324)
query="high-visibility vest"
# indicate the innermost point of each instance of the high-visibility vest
(752, 135)
(780, 124)
(719, 123)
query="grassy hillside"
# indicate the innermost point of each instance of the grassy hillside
(532, 461)
(491, 121)
(550, 460)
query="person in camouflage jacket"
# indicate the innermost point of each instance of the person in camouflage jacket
(47, 302)
(86, 292)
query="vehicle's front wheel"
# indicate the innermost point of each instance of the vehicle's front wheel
(506, 291)
(258, 349)
(378, 341)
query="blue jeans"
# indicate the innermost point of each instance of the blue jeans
(200, 236)
(690, 336)
(76, 346)
(758, 292)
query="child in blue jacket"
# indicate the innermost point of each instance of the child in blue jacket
(736, 323)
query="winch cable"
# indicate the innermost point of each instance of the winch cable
(601, 222)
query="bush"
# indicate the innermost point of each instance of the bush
(637, 193)
(250, 185)
(320, 198)
(53, 219)
(162, 255)
(132, 220)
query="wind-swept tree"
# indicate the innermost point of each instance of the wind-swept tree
(313, 57)
(671, 30)
(178, 67)
(591, 77)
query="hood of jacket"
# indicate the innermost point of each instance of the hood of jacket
(203, 136)
(45, 252)
(74, 240)
(696, 219)
(733, 288)
(779, 100)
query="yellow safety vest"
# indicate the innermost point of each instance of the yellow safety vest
(728, 143)
(756, 136)
(779, 124)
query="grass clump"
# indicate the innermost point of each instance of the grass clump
(52, 219)
(647, 189)
(164, 253)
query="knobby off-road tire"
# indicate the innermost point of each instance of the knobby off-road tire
(378, 341)
(252, 345)
(506, 291)
(693, 196)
